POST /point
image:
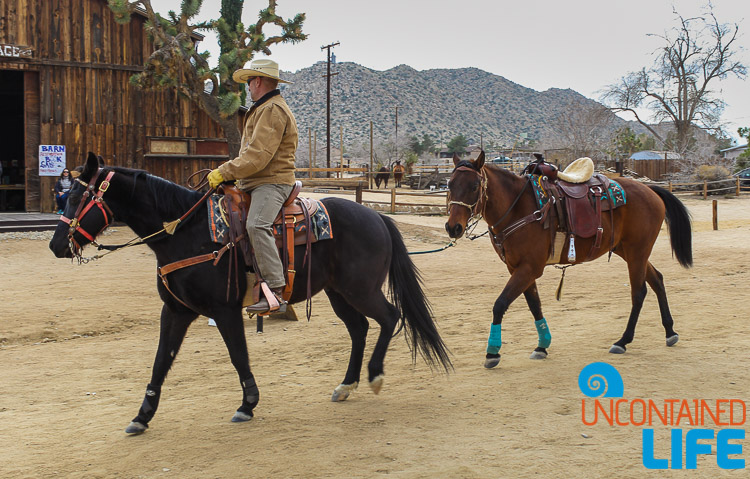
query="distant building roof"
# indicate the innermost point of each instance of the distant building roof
(734, 148)
(654, 155)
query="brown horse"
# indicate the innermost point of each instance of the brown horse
(503, 198)
(398, 173)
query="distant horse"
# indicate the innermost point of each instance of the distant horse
(398, 173)
(382, 177)
(351, 268)
(507, 203)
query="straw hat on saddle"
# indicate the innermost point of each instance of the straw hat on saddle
(258, 68)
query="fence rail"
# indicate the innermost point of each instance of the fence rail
(393, 205)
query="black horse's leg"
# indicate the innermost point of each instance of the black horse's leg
(233, 332)
(357, 325)
(173, 327)
(535, 306)
(638, 290)
(519, 281)
(656, 280)
(374, 305)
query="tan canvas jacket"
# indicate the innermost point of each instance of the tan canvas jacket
(269, 143)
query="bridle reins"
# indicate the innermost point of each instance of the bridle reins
(84, 207)
(482, 192)
(498, 238)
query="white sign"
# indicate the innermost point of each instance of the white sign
(51, 160)
(14, 51)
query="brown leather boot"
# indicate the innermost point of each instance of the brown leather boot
(262, 305)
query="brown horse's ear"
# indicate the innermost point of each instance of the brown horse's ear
(479, 162)
(456, 160)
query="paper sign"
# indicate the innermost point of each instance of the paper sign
(51, 160)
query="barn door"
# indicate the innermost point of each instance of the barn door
(31, 139)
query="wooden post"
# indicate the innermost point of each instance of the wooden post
(371, 166)
(716, 214)
(341, 136)
(310, 153)
(705, 189)
(358, 193)
(738, 187)
(670, 186)
(315, 150)
(393, 200)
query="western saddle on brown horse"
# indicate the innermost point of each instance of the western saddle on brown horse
(578, 197)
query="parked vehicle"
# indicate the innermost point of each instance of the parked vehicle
(744, 176)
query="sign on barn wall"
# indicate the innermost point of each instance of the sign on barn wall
(14, 51)
(51, 160)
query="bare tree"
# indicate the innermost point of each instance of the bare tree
(585, 129)
(696, 54)
(176, 64)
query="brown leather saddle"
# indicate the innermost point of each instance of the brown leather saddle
(295, 212)
(578, 206)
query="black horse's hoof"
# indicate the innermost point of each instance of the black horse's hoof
(615, 349)
(240, 416)
(135, 428)
(672, 340)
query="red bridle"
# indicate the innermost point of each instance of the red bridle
(84, 207)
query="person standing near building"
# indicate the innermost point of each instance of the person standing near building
(264, 168)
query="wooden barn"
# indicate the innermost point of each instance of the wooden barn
(64, 70)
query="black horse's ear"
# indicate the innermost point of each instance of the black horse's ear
(479, 162)
(101, 160)
(92, 164)
(539, 157)
(456, 160)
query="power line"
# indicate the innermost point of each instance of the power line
(328, 76)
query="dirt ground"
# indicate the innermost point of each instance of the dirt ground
(77, 344)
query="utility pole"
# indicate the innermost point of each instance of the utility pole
(396, 133)
(328, 105)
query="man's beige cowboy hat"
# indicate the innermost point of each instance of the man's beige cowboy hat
(258, 68)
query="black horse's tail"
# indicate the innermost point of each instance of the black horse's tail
(678, 224)
(405, 288)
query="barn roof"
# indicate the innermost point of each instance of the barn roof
(654, 155)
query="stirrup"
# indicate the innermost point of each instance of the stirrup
(270, 302)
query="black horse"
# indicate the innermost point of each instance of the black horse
(351, 268)
(382, 177)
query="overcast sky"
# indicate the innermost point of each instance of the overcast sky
(584, 45)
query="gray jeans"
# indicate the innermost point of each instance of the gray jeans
(264, 207)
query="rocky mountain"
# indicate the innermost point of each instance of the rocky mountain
(441, 102)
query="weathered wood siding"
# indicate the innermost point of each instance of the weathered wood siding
(83, 60)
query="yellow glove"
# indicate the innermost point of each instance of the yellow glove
(215, 178)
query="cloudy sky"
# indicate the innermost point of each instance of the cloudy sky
(584, 45)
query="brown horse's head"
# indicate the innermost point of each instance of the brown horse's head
(465, 189)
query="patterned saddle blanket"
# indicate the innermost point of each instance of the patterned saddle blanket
(320, 221)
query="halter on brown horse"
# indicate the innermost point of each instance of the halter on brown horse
(505, 199)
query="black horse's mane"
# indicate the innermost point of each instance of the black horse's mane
(168, 197)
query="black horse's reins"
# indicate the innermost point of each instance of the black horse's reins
(169, 228)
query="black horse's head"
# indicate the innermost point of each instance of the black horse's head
(86, 214)
(465, 188)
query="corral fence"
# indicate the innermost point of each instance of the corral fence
(435, 200)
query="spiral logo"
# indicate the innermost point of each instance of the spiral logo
(601, 380)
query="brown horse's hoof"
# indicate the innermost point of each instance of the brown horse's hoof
(490, 363)
(672, 340)
(538, 354)
(615, 349)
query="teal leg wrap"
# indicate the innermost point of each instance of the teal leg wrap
(545, 338)
(495, 342)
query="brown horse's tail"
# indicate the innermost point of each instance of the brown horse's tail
(678, 224)
(405, 288)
